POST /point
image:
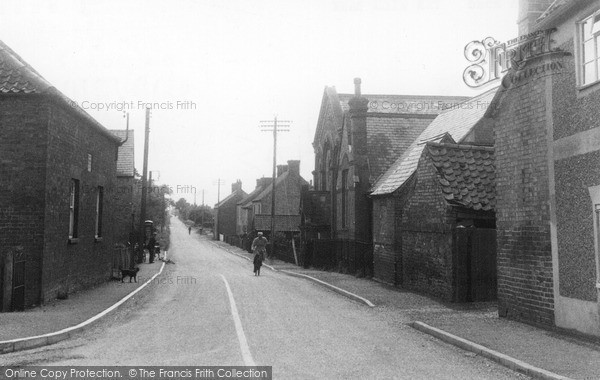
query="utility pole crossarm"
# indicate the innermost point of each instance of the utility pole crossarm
(274, 126)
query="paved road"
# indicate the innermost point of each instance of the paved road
(209, 309)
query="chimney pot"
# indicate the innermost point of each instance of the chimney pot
(357, 83)
(281, 169)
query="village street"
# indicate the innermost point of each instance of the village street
(301, 329)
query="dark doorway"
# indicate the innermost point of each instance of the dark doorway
(475, 276)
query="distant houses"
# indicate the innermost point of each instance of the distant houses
(288, 186)
(243, 215)
(225, 214)
(58, 166)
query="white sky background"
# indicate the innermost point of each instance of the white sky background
(241, 62)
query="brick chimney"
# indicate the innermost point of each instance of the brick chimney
(294, 167)
(281, 169)
(264, 182)
(529, 11)
(359, 106)
(236, 186)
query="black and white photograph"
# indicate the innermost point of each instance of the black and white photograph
(320, 189)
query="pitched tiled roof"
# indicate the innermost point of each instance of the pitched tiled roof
(466, 174)
(228, 198)
(126, 158)
(278, 180)
(18, 77)
(457, 122)
(388, 138)
(282, 222)
(250, 197)
(269, 188)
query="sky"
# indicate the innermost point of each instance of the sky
(213, 70)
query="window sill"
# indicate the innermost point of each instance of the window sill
(586, 89)
(98, 239)
(73, 240)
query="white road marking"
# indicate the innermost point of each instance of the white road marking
(238, 327)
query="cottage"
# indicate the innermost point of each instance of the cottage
(432, 196)
(56, 164)
(226, 214)
(244, 206)
(356, 140)
(288, 186)
(547, 143)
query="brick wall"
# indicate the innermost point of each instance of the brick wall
(384, 230)
(23, 149)
(287, 197)
(42, 146)
(122, 195)
(70, 267)
(426, 236)
(525, 284)
(227, 215)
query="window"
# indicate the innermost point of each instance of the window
(257, 208)
(89, 163)
(589, 37)
(99, 208)
(73, 208)
(344, 198)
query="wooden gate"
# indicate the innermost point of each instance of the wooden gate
(475, 275)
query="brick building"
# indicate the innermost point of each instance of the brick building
(432, 196)
(288, 186)
(548, 174)
(56, 163)
(225, 213)
(356, 140)
(244, 207)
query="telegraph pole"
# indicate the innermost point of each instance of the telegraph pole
(142, 236)
(267, 126)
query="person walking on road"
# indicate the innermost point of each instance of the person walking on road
(259, 247)
(189, 230)
(151, 247)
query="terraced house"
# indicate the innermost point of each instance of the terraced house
(56, 164)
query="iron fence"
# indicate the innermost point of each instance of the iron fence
(337, 254)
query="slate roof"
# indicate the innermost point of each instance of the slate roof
(411, 104)
(18, 77)
(278, 180)
(388, 138)
(456, 122)
(228, 198)
(286, 223)
(466, 174)
(126, 157)
(269, 188)
(247, 200)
